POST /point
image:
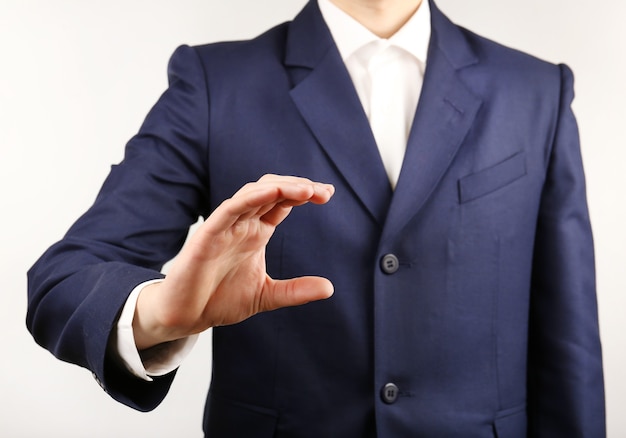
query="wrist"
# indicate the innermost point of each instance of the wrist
(148, 330)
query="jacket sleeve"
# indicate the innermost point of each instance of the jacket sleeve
(566, 389)
(139, 221)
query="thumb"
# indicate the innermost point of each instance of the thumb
(294, 292)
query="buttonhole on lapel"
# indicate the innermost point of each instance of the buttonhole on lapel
(458, 110)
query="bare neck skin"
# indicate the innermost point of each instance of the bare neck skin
(382, 17)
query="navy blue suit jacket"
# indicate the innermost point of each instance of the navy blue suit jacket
(489, 325)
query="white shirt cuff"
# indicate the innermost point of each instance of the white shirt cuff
(152, 362)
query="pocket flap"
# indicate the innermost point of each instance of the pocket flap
(493, 178)
(511, 423)
(229, 418)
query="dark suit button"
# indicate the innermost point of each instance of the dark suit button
(389, 264)
(389, 393)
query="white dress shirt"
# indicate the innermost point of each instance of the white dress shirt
(387, 75)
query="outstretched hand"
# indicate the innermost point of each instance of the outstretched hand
(220, 278)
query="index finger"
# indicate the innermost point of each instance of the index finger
(261, 196)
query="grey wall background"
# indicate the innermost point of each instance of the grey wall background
(78, 76)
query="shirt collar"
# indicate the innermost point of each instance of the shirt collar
(350, 35)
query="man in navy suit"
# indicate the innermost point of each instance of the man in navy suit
(449, 281)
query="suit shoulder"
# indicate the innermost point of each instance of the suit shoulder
(512, 72)
(509, 60)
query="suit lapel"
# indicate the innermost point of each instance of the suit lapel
(325, 96)
(444, 116)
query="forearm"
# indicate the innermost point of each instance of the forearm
(73, 316)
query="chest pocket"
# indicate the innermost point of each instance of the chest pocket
(493, 178)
